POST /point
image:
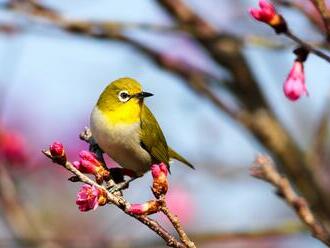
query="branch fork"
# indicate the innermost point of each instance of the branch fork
(264, 169)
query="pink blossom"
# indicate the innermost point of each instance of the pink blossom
(294, 86)
(266, 13)
(89, 197)
(56, 149)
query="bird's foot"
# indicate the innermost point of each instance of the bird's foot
(118, 187)
(121, 186)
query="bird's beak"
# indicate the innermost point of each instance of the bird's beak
(143, 94)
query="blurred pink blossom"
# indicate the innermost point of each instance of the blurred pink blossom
(12, 147)
(181, 203)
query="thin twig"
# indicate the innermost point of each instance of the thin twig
(319, 149)
(301, 7)
(277, 45)
(309, 47)
(263, 168)
(105, 30)
(177, 225)
(224, 48)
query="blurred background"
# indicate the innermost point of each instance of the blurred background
(50, 80)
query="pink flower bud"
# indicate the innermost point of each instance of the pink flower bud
(266, 14)
(160, 183)
(155, 171)
(90, 165)
(159, 170)
(90, 197)
(163, 168)
(89, 158)
(83, 168)
(56, 149)
(147, 208)
(294, 86)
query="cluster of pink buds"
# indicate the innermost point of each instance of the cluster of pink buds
(90, 197)
(12, 147)
(89, 164)
(267, 14)
(159, 188)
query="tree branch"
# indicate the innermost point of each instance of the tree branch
(17, 219)
(119, 201)
(307, 46)
(263, 169)
(177, 225)
(122, 204)
(301, 7)
(224, 48)
(194, 77)
(322, 8)
(258, 117)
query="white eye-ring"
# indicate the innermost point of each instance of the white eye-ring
(123, 96)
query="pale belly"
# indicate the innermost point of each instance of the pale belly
(120, 142)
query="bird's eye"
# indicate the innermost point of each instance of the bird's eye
(123, 96)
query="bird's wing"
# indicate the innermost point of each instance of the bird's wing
(152, 137)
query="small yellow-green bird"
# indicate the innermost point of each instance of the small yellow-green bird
(126, 130)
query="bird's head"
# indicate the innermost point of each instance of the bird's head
(124, 94)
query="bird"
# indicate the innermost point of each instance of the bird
(127, 131)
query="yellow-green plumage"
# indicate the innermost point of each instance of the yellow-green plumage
(152, 137)
(127, 130)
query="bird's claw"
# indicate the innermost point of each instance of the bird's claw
(119, 187)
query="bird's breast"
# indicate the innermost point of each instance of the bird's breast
(120, 141)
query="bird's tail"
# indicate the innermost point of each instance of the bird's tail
(175, 155)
